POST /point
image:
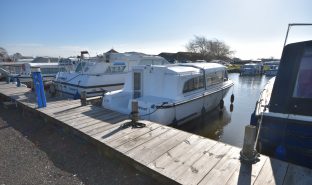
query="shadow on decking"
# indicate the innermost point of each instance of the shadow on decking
(244, 176)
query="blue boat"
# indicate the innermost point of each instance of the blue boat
(283, 113)
(271, 68)
(251, 69)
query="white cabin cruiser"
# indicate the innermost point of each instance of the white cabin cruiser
(22, 71)
(100, 74)
(171, 94)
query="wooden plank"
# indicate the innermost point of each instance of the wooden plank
(56, 110)
(60, 103)
(88, 121)
(121, 131)
(156, 151)
(154, 148)
(224, 169)
(84, 115)
(100, 120)
(10, 89)
(101, 128)
(201, 167)
(247, 173)
(175, 153)
(73, 112)
(298, 175)
(273, 172)
(142, 139)
(133, 135)
(14, 92)
(178, 165)
(107, 131)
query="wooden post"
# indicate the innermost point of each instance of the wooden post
(248, 153)
(135, 111)
(83, 98)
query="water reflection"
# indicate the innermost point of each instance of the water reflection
(210, 125)
(229, 126)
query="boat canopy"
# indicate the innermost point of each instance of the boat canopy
(292, 91)
(192, 68)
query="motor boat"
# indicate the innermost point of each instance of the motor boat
(283, 113)
(100, 74)
(171, 94)
(251, 69)
(22, 71)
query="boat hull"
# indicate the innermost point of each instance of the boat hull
(72, 84)
(184, 112)
(286, 139)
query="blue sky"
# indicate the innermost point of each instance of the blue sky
(252, 28)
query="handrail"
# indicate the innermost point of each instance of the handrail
(294, 24)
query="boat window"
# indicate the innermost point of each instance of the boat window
(49, 70)
(193, 84)
(153, 62)
(115, 69)
(303, 87)
(80, 66)
(214, 78)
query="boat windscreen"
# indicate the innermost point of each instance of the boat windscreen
(303, 87)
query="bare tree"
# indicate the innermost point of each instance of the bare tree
(209, 49)
(4, 57)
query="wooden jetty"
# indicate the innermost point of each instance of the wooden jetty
(171, 156)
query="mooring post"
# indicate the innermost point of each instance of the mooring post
(83, 98)
(249, 153)
(38, 85)
(18, 82)
(8, 79)
(135, 111)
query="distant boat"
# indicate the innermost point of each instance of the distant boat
(272, 71)
(284, 110)
(100, 74)
(271, 68)
(251, 69)
(22, 71)
(171, 94)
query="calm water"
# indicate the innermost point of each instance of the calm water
(229, 126)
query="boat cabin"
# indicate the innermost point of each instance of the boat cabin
(171, 94)
(116, 63)
(292, 91)
(174, 81)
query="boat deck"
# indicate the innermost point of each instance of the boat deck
(171, 156)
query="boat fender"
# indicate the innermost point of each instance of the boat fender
(221, 104)
(52, 90)
(77, 96)
(203, 110)
(231, 107)
(253, 119)
(232, 98)
(174, 122)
